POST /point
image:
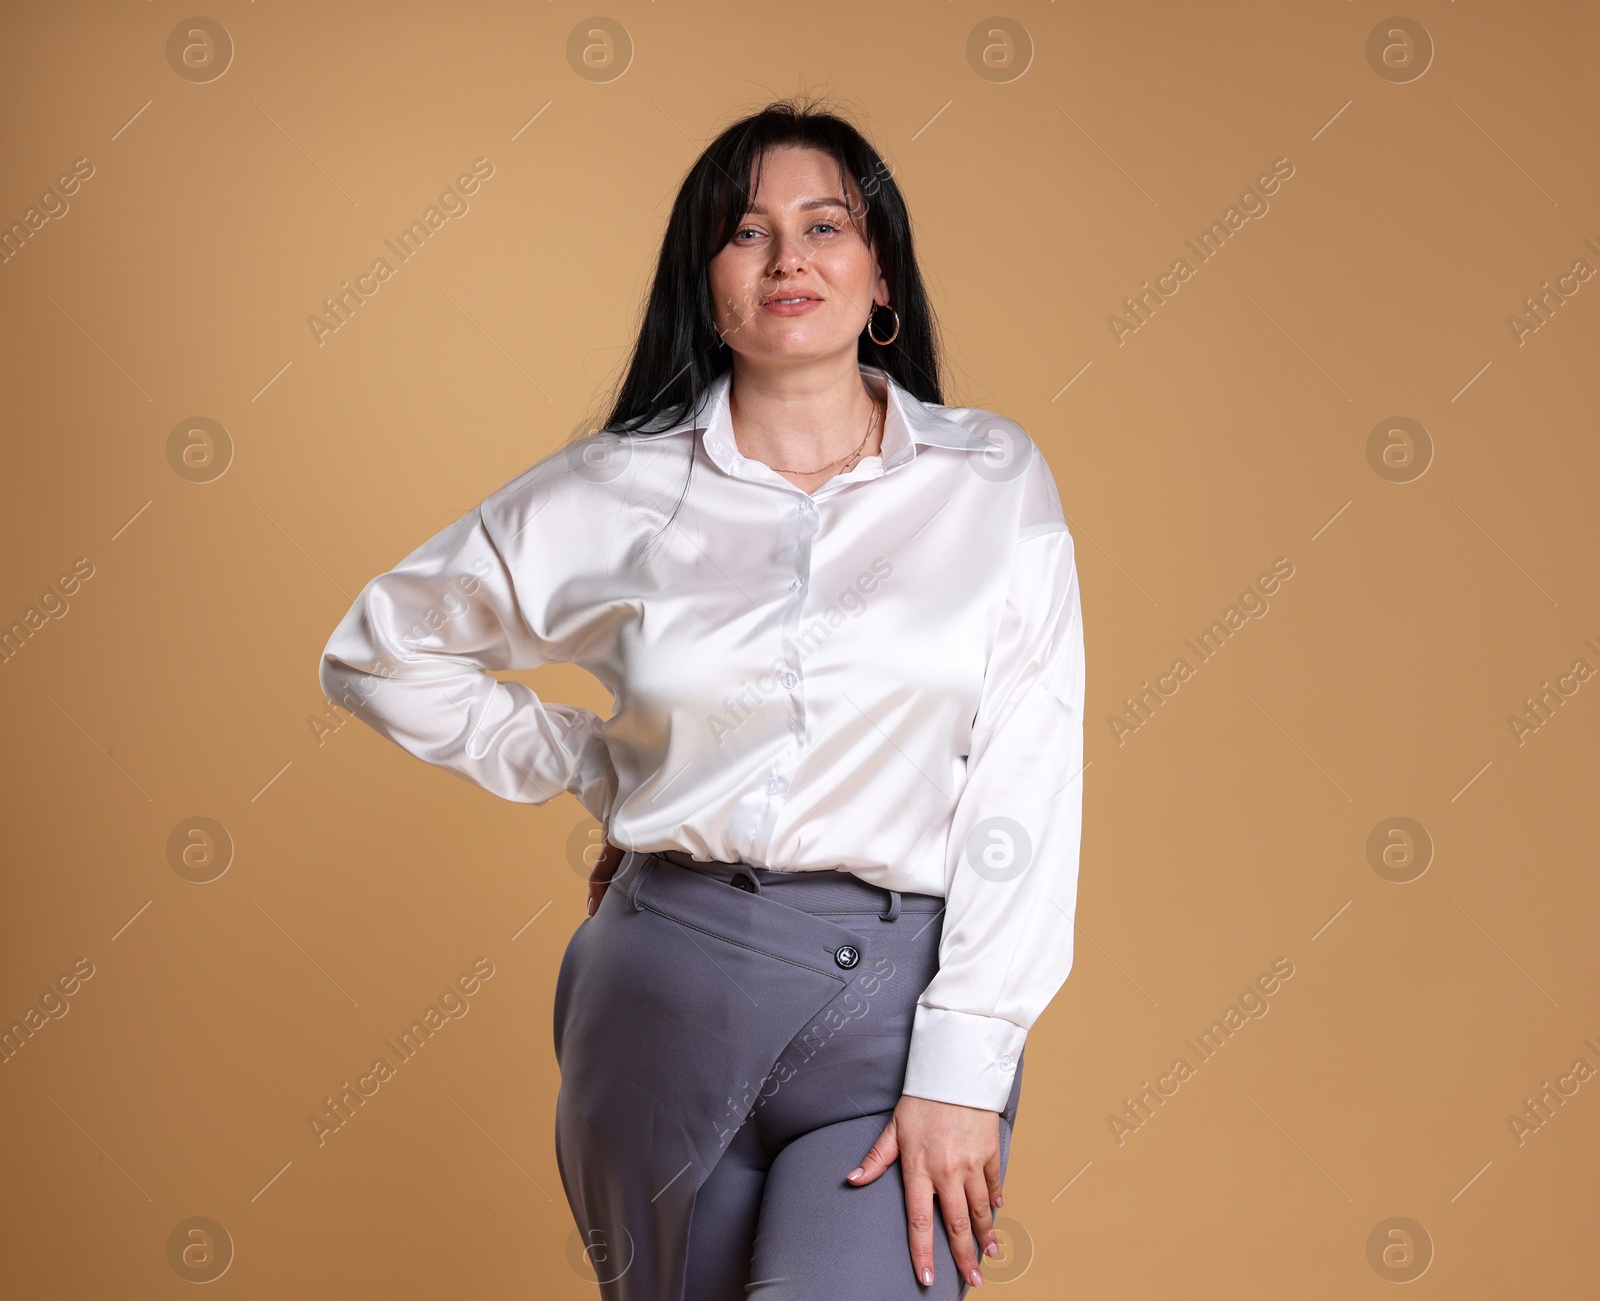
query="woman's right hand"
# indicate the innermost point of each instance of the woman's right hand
(604, 869)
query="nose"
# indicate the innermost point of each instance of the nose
(789, 249)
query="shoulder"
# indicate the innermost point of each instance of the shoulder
(585, 479)
(1002, 452)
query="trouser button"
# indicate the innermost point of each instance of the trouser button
(846, 955)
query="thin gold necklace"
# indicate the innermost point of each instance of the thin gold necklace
(849, 458)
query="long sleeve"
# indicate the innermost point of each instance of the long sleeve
(411, 658)
(1012, 862)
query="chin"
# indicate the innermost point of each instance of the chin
(799, 349)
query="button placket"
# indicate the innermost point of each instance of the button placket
(806, 510)
(800, 527)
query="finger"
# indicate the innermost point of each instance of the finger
(978, 1204)
(958, 1224)
(991, 1174)
(919, 1223)
(880, 1156)
(606, 864)
(600, 875)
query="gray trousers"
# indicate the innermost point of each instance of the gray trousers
(731, 1042)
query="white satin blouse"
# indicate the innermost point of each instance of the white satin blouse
(885, 676)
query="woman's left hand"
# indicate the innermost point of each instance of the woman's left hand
(951, 1150)
(600, 875)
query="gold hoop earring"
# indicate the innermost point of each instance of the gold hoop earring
(892, 337)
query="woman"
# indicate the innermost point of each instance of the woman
(841, 625)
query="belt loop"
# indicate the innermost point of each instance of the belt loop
(892, 912)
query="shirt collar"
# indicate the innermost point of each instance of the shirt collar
(908, 423)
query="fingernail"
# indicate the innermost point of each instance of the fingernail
(975, 1278)
(993, 1249)
(857, 1172)
(591, 913)
(927, 1277)
(999, 1200)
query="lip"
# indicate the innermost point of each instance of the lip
(807, 304)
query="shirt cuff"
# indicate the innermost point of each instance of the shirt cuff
(963, 1057)
(594, 778)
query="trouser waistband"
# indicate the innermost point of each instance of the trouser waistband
(814, 891)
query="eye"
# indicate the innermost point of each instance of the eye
(828, 227)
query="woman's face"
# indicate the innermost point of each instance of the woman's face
(799, 224)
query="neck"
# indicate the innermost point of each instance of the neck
(801, 417)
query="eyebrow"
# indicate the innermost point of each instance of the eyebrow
(756, 209)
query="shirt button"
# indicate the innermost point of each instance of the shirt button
(773, 786)
(806, 507)
(789, 680)
(797, 584)
(1006, 1063)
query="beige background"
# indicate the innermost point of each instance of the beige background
(1229, 831)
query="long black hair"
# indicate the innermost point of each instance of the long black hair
(678, 352)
